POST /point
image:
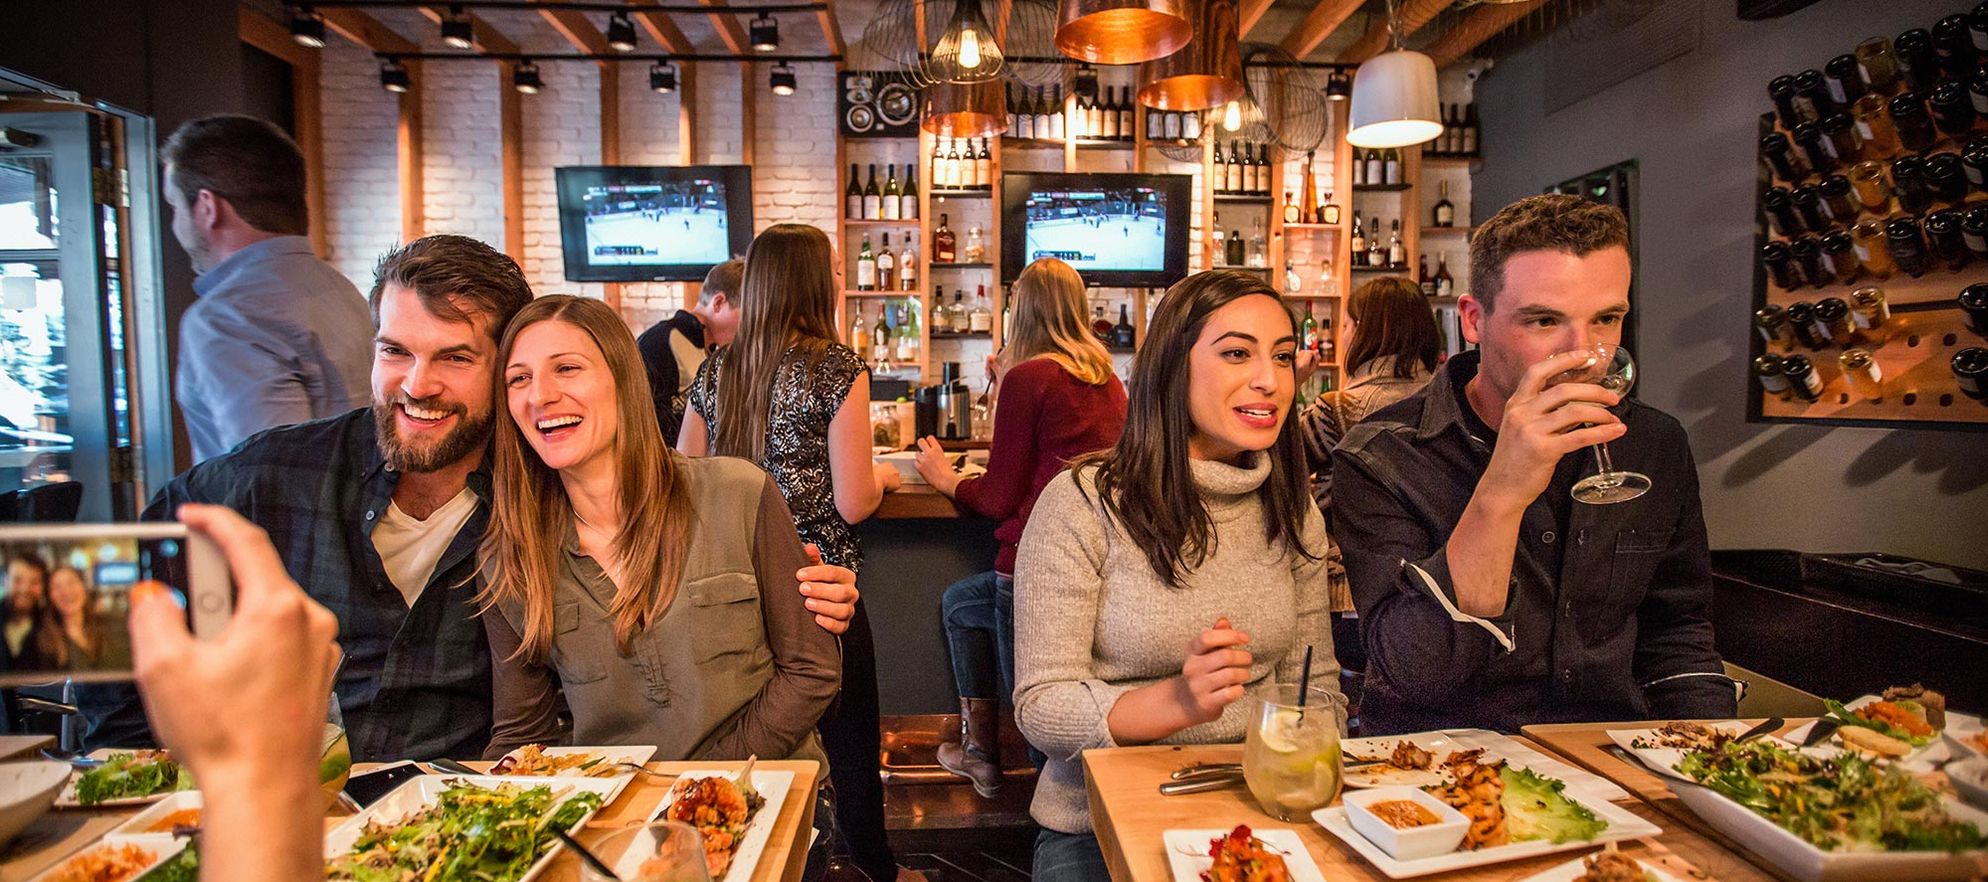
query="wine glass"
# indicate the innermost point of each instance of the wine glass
(1610, 367)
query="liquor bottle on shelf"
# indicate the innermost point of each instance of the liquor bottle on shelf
(907, 334)
(1376, 168)
(954, 179)
(1263, 170)
(1327, 284)
(891, 203)
(1162, 126)
(1326, 348)
(907, 208)
(1376, 249)
(1330, 213)
(886, 267)
(1220, 175)
(942, 319)
(1391, 167)
(852, 198)
(957, 314)
(859, 332)
(1470, 144)
(1397, 256)
(1308, 211)
(983, 166)
(1258, 255)
(1359, 240)
(1291, 211)
(866, 267)
(1445, 212)
(976, 250)
(1123, 335)
(907, 265)
(873, 199)
(1236, 252)
(1445, 283)
(1308, 329)
(1221, 256)
(1423, 278)
(1292, 284)
(1128, 115)
(1236, 170)
(981, 319)
(1100, 326)
(943, 243)
(880, 337)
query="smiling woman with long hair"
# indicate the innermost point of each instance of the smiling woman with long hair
(73, 635)
(654, 591)
(1162, 580)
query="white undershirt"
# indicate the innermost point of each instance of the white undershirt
(409, 547)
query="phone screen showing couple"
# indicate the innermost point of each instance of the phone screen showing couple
(66, 599)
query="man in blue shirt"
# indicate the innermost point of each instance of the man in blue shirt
(278, 336)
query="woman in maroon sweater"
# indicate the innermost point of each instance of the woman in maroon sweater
(1059, 400)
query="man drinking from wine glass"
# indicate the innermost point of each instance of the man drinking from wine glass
(1489, 595)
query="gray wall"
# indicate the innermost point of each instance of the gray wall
(1690, 123)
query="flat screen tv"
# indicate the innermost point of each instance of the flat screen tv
(1116, 230)
(626, 223)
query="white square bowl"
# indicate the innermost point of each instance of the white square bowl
(1411, 843)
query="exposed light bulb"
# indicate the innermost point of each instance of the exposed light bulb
(969, 48)
(1232, 116)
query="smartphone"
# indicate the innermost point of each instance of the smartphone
(369, 788)
(67, 594)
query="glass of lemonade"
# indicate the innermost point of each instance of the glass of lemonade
(1291, 754)
(335, 763)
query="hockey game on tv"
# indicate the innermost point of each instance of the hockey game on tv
(669, 222)
(1099, 229)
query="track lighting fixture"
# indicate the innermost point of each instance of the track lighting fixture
(783, 79)
(620, 33)
(456, 30)
(393, 76)
(765, 33)
(662, 78)
(307, 28)
(525, 78)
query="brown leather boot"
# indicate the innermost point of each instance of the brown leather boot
(977, 755)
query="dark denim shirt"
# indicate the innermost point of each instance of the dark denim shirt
(416, 680)
(1607, 601)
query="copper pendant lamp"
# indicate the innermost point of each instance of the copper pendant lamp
(965, 110)
(1205, 73)
(1121, 31)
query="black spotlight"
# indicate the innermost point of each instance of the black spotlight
(620, 33)
(393, 76)
(1087, 82)
(783, 80)
(1338, 86)
(662, 78)
(307, 28)
(526, 80)
(765, 33)
(456, 30)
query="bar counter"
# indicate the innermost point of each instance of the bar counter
(916, 544)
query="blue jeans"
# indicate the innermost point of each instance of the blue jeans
(979, 616)
(1063, 857)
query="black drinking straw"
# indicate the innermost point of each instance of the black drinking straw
(1305, 681)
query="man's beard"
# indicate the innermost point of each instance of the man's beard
(470, 435)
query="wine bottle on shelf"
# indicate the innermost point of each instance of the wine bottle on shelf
(1397, 256)
(1024, 126)
(1359, 240)
(1221, 173)
(886, 267)
(955, 168)
(942, 318)
(1445, 211)
(1128, 114)
(1391, 167)
(907, 265)
(907, 208)
(873, 200)
(891, 203)
(852, 198)
(984, 164)
(1190, 125)
(1169, 124)
(866, 267)
(1259, 176)
(1057, 123)
(1326, 348)
(1470, 132)
(1359, 168)
(1263, 169)
(1376, 168)
(943, 242)
(880, 336)
(1236, 170)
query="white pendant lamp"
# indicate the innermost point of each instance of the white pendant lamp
(1394, 98)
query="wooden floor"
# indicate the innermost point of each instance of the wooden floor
(938, 825)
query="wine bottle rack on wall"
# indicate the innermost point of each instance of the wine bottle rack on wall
(1927, 326)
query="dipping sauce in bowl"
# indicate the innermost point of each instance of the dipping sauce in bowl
(1402, 813)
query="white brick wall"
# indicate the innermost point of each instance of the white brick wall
(462, 158)
(362, 192)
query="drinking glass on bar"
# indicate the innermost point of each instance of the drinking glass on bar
(1291, 758)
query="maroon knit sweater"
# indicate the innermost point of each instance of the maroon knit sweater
(1047, 417)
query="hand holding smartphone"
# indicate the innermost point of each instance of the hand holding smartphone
(66, 599)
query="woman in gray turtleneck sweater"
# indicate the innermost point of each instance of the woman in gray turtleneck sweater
(1162, 580)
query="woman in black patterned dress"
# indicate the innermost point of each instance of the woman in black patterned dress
(786, 395)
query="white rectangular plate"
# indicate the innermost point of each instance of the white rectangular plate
(1810, 864)
(1664, 760)
(163, 848)
(771, 784)
(1621, 825)
(1574, 869)
(1187, 852)
(1926, 758)
(138, 824)
(426, 790)
(67, 798)
(1354, 750)
(627, 753)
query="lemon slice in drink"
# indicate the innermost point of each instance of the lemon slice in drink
(1283, 732)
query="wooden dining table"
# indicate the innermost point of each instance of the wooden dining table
(1131, 817)
(62, 832)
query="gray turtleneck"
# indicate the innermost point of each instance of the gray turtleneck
(1093, 621)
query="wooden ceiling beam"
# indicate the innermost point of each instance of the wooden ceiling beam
(574, 26)
(831, 30)
(1412, 15)
(1252, 12)
(365, 30)
(729, 29)
(661, 28)
(1324, 18)
(1481, 24)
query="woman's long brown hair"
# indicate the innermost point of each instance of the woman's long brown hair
(530, 513)
(1392, 317)
(1049, 322)
(1146, 482)
(787, 299)
(53, 635)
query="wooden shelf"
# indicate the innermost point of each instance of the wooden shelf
(970, 335)
(889, 295)
(1382, 269)
(1331, 227)
(1453, 160)
(1103, 144)
(960, 266)
(1382, 188)
(858, 222)
(1242, 197)
(963, 194)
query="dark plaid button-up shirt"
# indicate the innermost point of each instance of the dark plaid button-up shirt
(416, 680)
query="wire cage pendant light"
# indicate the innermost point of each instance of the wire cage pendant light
(1121, 31)
(967, 51)
(1206, 72)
